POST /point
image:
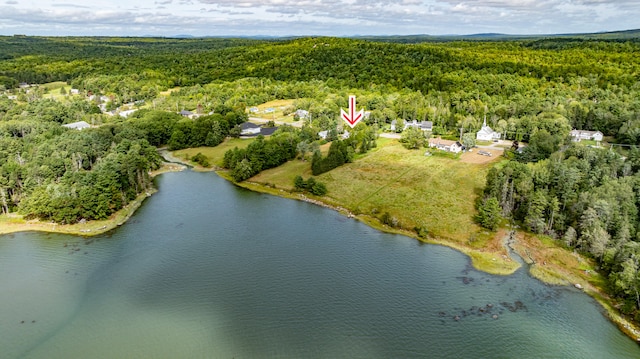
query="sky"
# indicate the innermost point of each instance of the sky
(314, 17)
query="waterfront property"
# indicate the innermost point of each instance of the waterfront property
(198, 281)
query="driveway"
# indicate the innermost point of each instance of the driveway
(280, 123)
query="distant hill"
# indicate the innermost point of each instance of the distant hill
(612, 35)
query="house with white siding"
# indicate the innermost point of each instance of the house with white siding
(445, 145)
(579, 135)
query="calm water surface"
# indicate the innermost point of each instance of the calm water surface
(207, 270)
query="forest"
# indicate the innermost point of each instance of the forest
(530, 90)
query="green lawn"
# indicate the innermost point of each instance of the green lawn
(52, 91)
(434, 192)
(215, 154)
(278, 114)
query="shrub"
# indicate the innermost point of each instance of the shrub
(389, 220)
(299, 183)
(319, 189)
(201, 159)
(311, 185)
(421, 231)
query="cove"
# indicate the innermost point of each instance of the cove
(206, 269)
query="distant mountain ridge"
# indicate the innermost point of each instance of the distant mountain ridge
(633, 34)
(609, 35)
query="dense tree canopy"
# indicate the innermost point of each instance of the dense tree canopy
(587, 197)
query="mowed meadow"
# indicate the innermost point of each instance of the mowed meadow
(433, 192)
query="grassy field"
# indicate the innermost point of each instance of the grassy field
(52, 91)
(169, 91)
(435, 193)
(432, 192)
(278, 114)
(215, 154)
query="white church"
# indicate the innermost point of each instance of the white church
(486, 133)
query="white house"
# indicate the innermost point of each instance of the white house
(445, 145)
(77, 125)
(486, 133)
(579, 135)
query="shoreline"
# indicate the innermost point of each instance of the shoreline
(14, 223)
(489, 262)
(478, 258)
(496, 263)
(486, 261)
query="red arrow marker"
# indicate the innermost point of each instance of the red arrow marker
(353, 117)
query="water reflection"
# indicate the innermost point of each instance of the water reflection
(209, 270)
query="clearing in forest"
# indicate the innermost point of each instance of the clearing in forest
(433, 192)
(273, 110)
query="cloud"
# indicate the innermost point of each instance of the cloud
(321, 17)
(71, 6)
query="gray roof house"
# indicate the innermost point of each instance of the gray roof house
(423, 125)
(249, 129)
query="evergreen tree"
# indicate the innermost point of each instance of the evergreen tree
(489, 214)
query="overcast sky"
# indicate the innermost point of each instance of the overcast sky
(314, 17)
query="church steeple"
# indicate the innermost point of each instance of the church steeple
(484, 124)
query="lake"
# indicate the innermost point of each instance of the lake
(205, 269)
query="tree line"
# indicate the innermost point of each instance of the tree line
(519, 85)
(64, 175)
(587, 198)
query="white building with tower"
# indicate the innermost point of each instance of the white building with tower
(486, 133)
